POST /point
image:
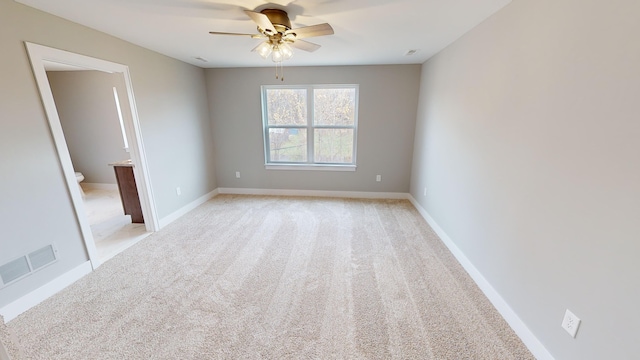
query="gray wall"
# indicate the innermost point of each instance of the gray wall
(527, 141)
(89, 119)
(35, 207)
(387, 113)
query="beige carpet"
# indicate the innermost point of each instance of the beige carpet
(8, 344)
(245, 277)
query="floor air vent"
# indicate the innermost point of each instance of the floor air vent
(27, 264)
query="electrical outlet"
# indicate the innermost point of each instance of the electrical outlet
(570, 323)
(237, 174)
(178, 191)
(378, 178)
(424, 192)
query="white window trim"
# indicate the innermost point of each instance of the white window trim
(310, 118)
(314, 167)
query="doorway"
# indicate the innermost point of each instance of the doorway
(41, 57)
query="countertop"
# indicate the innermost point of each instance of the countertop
(122, 163)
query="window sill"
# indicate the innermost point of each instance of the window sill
(309, 167)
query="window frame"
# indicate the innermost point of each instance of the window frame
(310, 126)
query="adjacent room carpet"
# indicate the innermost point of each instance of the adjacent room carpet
(257, 277)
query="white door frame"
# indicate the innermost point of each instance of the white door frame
(38, 54)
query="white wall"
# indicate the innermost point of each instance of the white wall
(89, 118)
(386, 121)
(35, 207)
(527, 144)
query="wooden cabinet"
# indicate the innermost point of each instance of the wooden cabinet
(128, 190)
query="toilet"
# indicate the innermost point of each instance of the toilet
(79, 178)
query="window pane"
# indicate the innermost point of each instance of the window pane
(288, 145)
(334, 106)
(286, 106)
(333, 146)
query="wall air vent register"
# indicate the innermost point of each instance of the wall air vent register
(26, 265)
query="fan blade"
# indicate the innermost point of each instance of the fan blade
(305, 45)
(254, 36)
(262, 20)
(311, 31)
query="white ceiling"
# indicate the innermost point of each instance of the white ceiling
(366, 31)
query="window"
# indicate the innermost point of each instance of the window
(310, 127)
(124, 134)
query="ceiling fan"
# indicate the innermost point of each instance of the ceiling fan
(274, 26)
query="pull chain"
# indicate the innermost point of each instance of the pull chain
(281, 74)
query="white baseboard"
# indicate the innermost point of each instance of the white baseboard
(519, 327)
(98, 186)
(17, 307)
(315, 193)
(185, 209)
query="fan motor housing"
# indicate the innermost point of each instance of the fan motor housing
(278, 18)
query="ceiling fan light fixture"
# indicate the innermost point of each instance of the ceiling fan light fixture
(264, 50)
(287, 51)
(281, 52)
(276, 55)
(274, 26)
